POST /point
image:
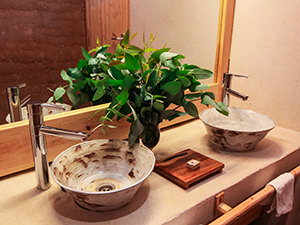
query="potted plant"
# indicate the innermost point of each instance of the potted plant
(141, 84)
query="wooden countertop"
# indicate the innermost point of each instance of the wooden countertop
(159, 201)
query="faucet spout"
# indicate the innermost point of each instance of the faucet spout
(237, 94)
(15, 103)
(38, 141)
(68, 134)
(227, 90)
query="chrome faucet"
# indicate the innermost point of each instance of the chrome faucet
(227, 90)
(14, 102)
(38, 141)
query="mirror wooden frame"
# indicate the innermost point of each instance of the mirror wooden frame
(15, 142)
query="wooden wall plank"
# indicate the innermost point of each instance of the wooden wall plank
(104, 19)
(38, 40)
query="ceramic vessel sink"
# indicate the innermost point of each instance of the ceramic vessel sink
(46, 111)
(240, 131)
(102, 174)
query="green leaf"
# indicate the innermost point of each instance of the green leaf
(185, 81)
(190, 67)
(132, 139)
(171, 114)
(128, 81)
(158, 96)
(93, 61)
(72, 95)
(50, 100)
(159, 105)
(207, 100)
(86, 55)
(150, 49)
(110, 114)
(133, 35)
(156, 54)
(79, 85)
(147, 98)
(119, 50)
(169, 64)
(137, 127)
(201, 73)
(172, 87)
(193, 96)
(59, 92)
(116, 73)
(100, 92)
(138, 100)
(116, 112)
(183, 72)
(132, 49)
(222, 108)
(74, 73)
(66, 77)
(198, 87)
(191, 109)
(125, 39)
(81, 64)
(165, 56)
(131, 62)
(102, 50)
(152, 78)
(122, 97)
(113, 83)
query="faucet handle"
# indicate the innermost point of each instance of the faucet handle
(21, 85)
(234, 75)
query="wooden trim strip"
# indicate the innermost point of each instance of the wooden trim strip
(226, 16)
(251, 203)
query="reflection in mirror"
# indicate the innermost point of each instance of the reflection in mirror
(38, 39)
(187, 27)
(45, 37)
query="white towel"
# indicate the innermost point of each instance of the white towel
(284, 186)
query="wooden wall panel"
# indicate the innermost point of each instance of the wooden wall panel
(37, 40)
(106, 18)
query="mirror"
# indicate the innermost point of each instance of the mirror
(41, 41)
(16, 154)
(187, 27)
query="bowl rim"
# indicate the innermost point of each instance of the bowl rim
(101, 193)
(235, 130)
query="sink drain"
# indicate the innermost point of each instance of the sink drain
(101, 185)
(106, 187)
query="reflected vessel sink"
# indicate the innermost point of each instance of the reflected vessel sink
(242, 130)
(102, 174)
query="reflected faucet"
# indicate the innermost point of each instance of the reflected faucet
(38, 141)
(14, 102)
(227, 90)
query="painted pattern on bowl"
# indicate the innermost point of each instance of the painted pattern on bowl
(102, 174)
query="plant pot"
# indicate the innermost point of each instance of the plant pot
(150, 136)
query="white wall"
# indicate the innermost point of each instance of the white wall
(266, 47)
(188, 27)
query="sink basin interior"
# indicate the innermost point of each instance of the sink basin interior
(106, 172)
(238, 120)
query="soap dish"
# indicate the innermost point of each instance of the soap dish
(187, 167)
